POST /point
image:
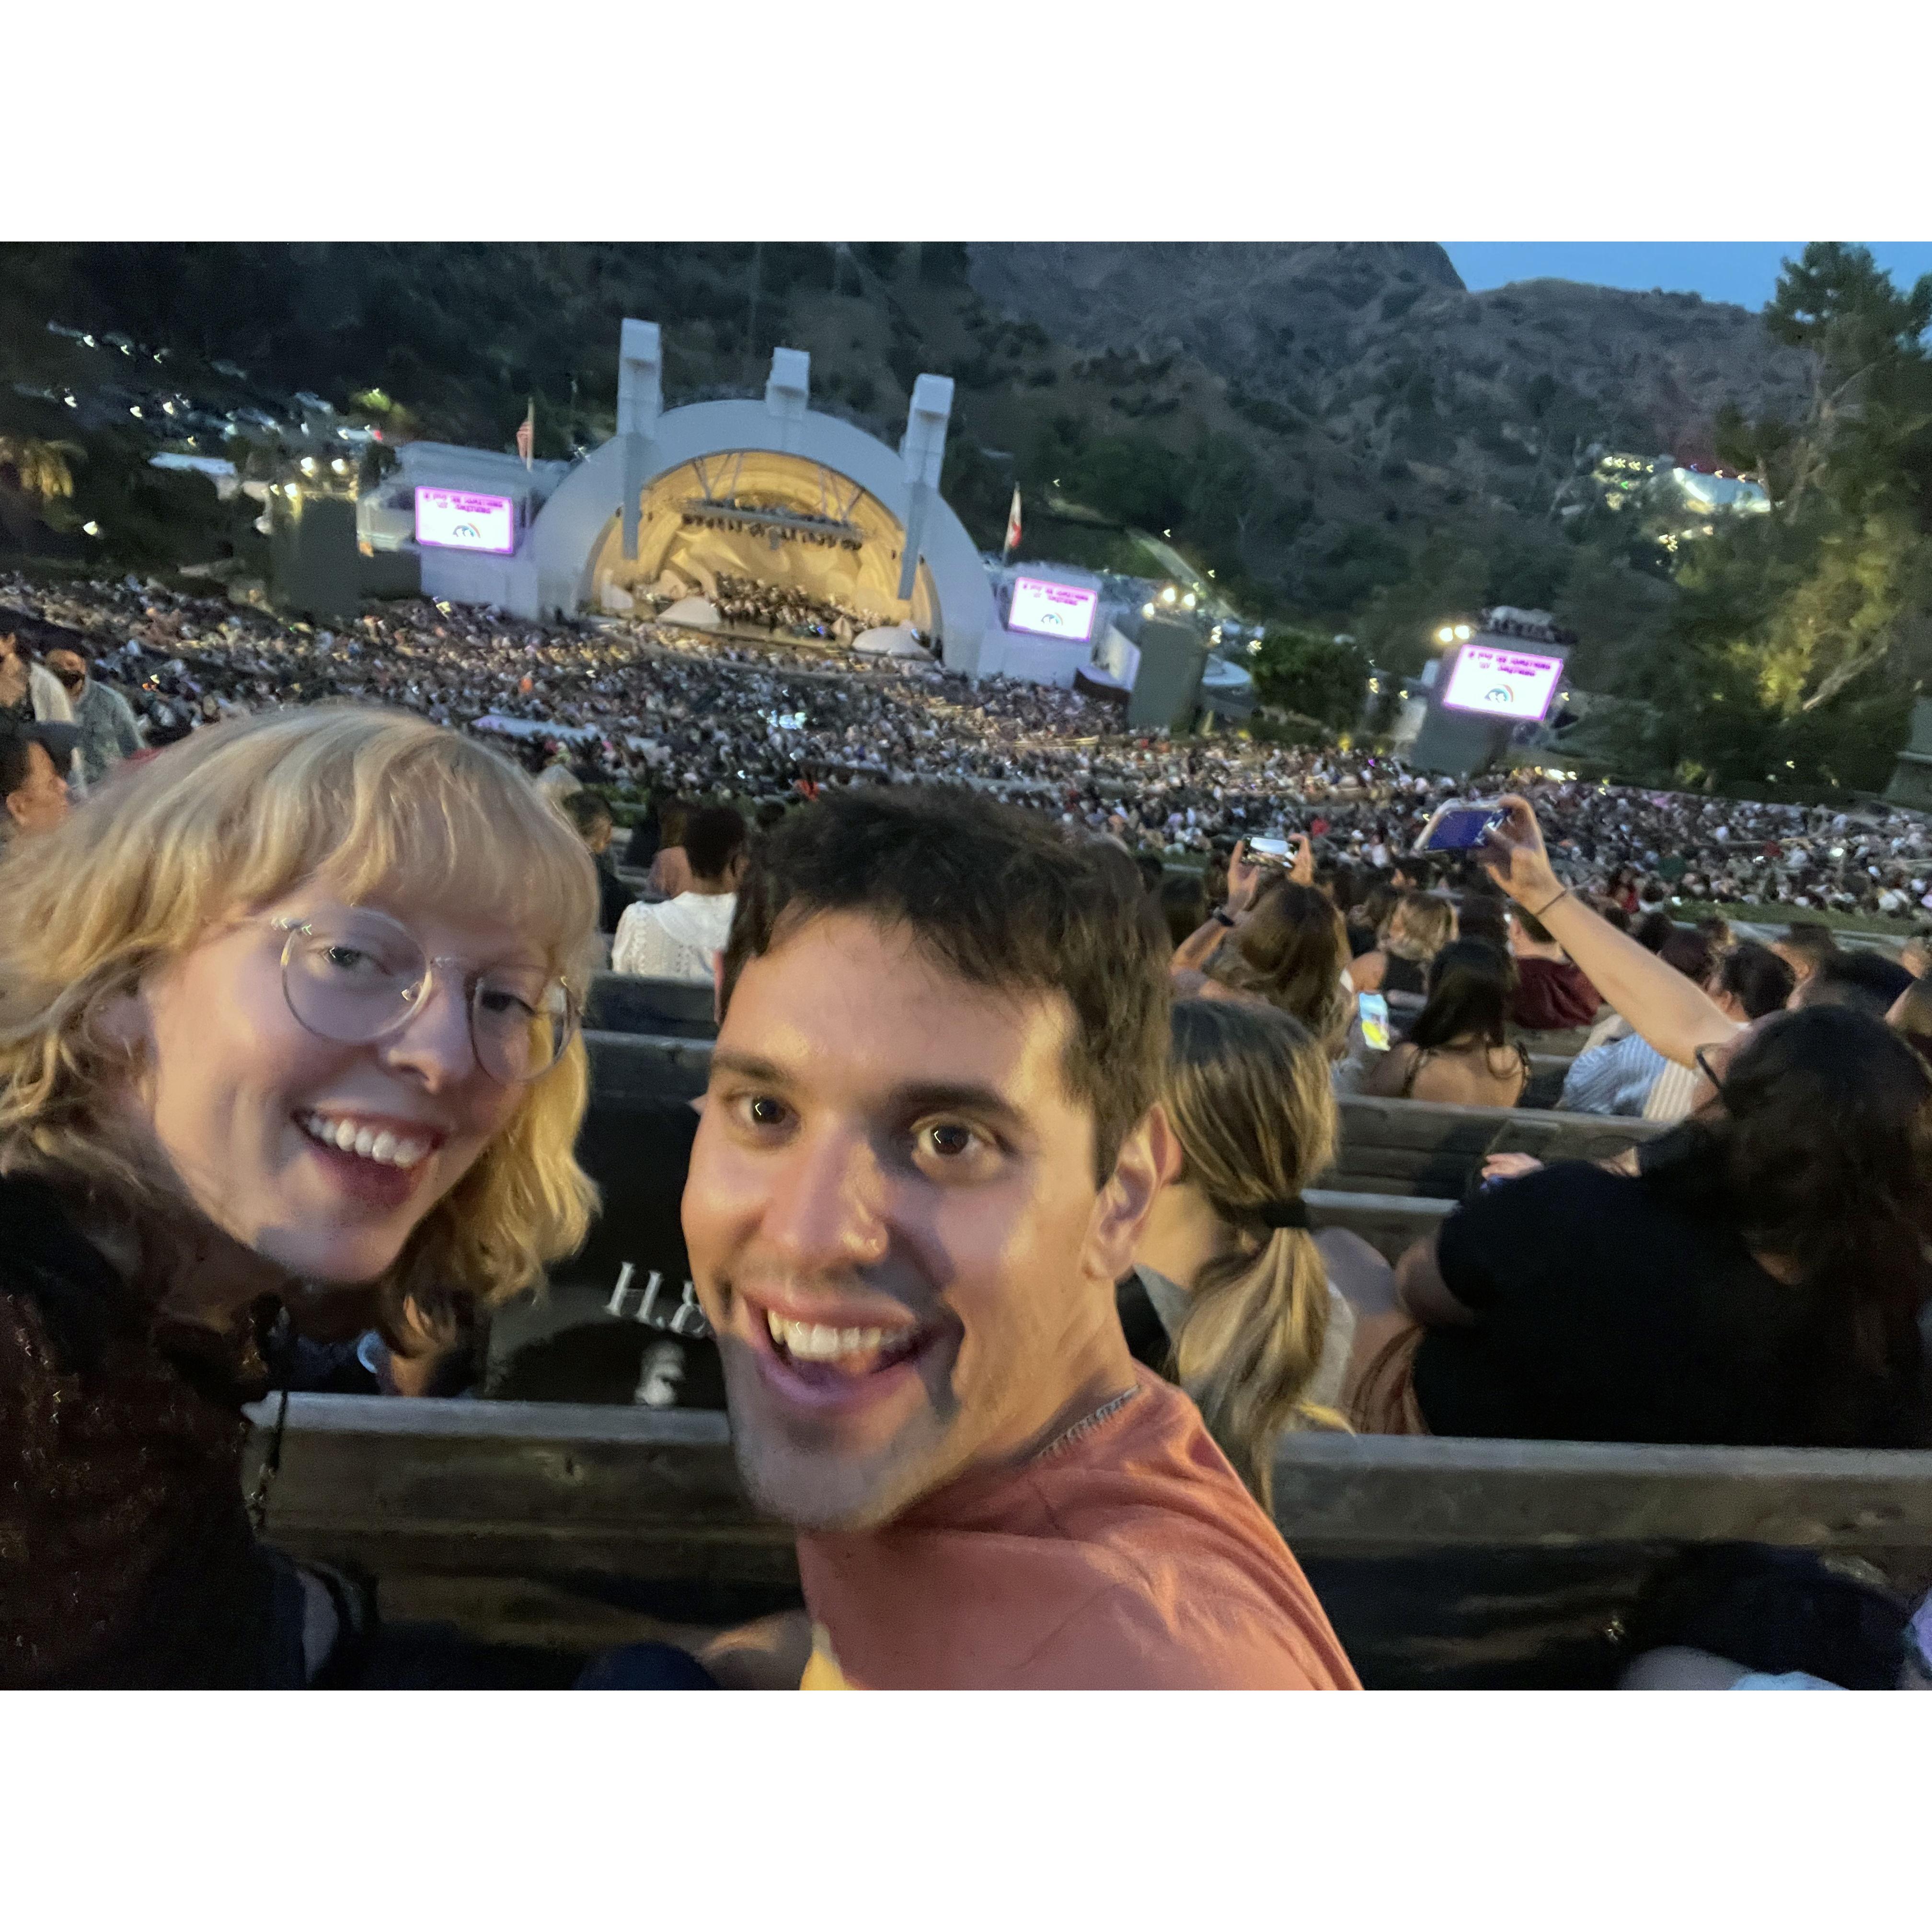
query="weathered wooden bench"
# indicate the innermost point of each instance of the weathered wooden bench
(1388, 1147)
(1423, 1146)
(1443, 1563)
(1390, 1223)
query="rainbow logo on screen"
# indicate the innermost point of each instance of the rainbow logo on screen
(1501, 683)
(1052, 610)
(455, 520)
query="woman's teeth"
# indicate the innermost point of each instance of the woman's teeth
(812, 1341)
(381, 1144)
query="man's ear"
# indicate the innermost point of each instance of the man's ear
(1150, 1158)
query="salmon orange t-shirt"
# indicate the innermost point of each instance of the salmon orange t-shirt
(1130, 1558)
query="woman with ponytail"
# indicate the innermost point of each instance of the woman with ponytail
(1247, 1322)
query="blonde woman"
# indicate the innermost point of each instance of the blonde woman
(1254, 1332)
(1289, 949)
(1422, 924)
(288, 1015)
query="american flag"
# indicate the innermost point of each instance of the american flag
(1013, 523)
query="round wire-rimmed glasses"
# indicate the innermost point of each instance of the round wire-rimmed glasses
(358, 975)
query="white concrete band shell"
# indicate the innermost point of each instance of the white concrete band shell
(773, 490)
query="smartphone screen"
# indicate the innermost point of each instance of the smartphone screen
(1372, 1009)
(1458, 828)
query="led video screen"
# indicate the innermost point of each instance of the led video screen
(1502, 683)
(1052, 610)
(455, 520)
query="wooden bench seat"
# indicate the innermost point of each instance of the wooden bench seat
(1424, 1147)
(1443, 1563)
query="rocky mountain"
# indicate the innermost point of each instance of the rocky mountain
(1380, 347)
(1308, 417)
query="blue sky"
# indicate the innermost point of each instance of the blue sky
(1744, 272)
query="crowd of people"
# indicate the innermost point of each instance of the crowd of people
(291, 1065)
(703, 717)
(291, 1059)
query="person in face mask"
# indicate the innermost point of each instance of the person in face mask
(108, 731)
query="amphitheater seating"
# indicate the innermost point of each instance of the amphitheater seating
(1547, 1073)
(1388, 1147)
(1444, 1563)
(1391, 1223)
(632, 1002)
(1423, 1146)
(628, 1066)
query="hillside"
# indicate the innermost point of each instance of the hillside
(1315, 420)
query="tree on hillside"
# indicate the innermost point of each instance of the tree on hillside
(1800, 637)
(1862, 339)
(1318, 676)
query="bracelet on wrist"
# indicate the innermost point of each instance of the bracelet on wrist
(1558, 901)
(1220, 917)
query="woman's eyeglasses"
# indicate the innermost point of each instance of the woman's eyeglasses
(359, 976)
(1709, 1071)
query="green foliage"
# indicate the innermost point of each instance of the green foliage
(1133, 477)
(1320, 677)
(1800, 637)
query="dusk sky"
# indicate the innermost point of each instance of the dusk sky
(1744, 272)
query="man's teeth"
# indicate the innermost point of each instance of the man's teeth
(391, 1149)
(812, 1341)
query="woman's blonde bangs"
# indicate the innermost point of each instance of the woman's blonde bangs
(373, 802)
(382, 802)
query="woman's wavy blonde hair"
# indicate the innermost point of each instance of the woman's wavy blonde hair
(1422, 924)
(238, 816)
(1247, 1092)
(1292, 951)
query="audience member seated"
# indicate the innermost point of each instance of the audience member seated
(1551, 993)
(1229, 1294)
(1285, 945)
(927, 1155)
(1484, 914)
(1623, 1074)
(30, 694)
(33, 795)
(1369, 916)
(1458, 1049)
(1750, 981)
(286, 1007)
(1764, 1285)
(1422, 924)
(640, 848)
(681, 938)
(589, 812)
(1868, 982)
(670, 869)
(1290, 950)
(1805, 947)
(1768, 1275)
(108, 732)
(556, 779)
